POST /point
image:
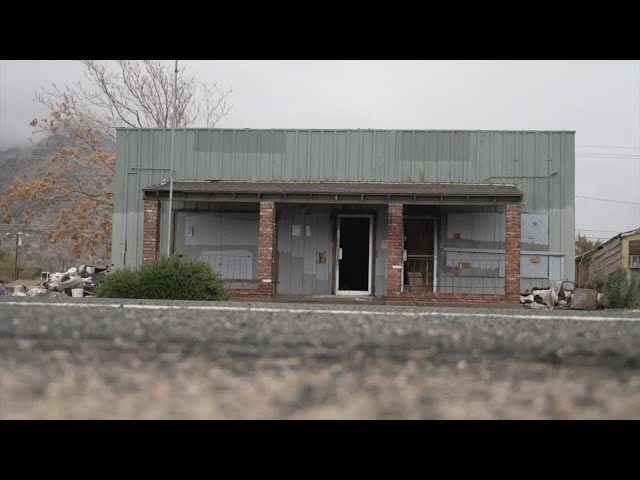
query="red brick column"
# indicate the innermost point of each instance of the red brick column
(151, 238)
(394, 249)
(512, 253)
(266, 249)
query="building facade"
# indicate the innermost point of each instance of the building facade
(461, 216)
(620, 251)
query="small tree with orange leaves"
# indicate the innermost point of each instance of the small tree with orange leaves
(78, 180)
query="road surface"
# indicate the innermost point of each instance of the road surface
(94, 358)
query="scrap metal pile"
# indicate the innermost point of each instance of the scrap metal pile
(73, 282)
(561, 295)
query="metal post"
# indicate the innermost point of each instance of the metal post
(15, 266)
(173, 136)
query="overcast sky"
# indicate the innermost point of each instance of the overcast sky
(599, 100)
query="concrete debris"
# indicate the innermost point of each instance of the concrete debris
(37, 292)
(526, 298)
(58, 284)
(20, 291)
(584, 299)
(548, 296)
(75, 279)
(562, 294)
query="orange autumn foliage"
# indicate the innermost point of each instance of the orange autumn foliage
(78, 183)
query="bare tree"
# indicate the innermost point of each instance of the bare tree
(78, 180)
(137, 94)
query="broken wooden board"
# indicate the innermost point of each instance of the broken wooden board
(584, 299)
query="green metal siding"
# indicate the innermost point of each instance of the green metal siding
(541, 163)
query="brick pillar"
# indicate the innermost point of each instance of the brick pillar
(512, 253)
(394, 249)
(266, 248)
(151, 239)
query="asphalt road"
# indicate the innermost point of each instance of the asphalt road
(90, 358)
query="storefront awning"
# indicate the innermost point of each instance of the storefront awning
(340, 192)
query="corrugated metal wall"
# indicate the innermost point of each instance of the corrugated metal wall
(304, 233)
(306, 248)
(542, 164)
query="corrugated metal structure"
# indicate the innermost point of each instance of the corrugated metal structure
(620, 251)
(468, 243)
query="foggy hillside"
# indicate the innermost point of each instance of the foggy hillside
(32, 162)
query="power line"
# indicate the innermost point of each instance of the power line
(21, 157)
(606, 155)
(607, 146)
(595, 236)
(607, 200)
(588, 230)
(6, 147)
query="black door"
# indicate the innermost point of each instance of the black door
(353, 271)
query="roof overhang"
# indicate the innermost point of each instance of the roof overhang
(340, 192)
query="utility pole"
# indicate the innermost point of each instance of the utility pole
(15, 266)
(18, 236)
(173, 136)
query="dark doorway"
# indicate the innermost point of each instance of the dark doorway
(419, 242)
(354, 254)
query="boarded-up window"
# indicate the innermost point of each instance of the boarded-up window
(218, 229)
(476, 230)
(228, 241)
(535, 231)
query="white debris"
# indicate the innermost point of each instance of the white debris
(558, 295)
(526, 298)
(37, 292)
(75, 279)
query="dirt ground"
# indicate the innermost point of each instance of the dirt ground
(60, 385)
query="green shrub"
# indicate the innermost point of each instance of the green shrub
(621, 290)
(169, 278)
(632, 295)
(120, 284)
(598, 279)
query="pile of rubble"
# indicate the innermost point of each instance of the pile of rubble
(73, 282)
(561, 295)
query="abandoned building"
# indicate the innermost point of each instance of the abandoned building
(415, 215)
(620, 251)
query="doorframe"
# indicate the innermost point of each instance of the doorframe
(435, 247)
(370, 216)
